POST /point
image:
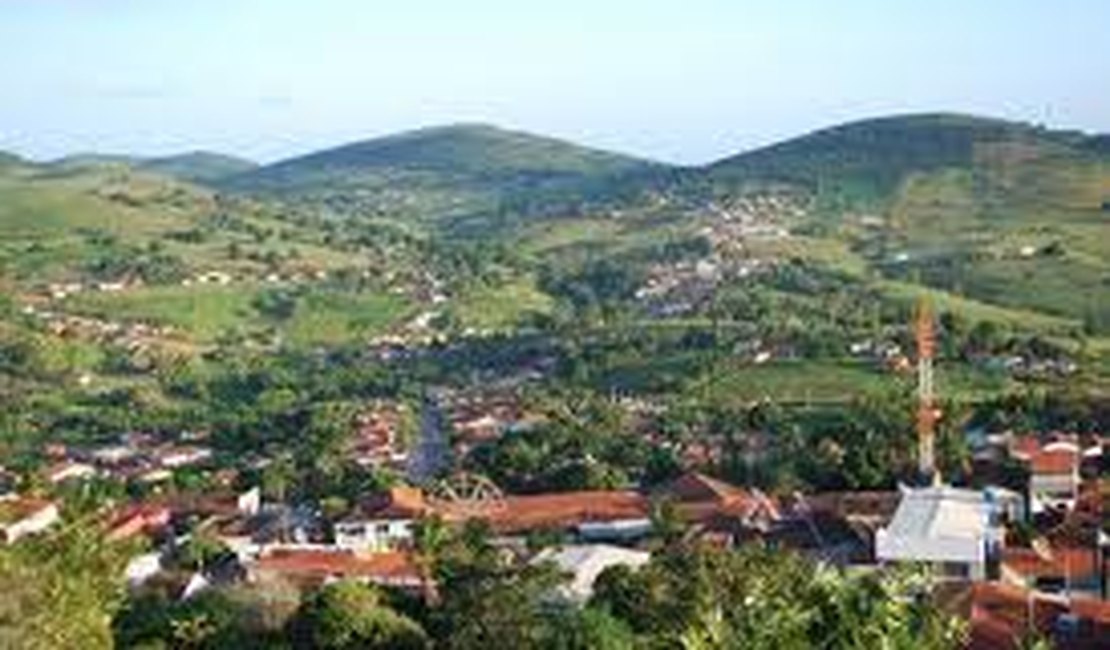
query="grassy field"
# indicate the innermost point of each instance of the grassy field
(203, 311)
(331, 318)
(831, 381)
(975, 310)
(792, 381)
(501, 306)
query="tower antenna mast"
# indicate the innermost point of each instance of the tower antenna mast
(925, 337)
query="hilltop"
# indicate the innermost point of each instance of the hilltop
(458, 153)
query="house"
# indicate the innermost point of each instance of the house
(173, 457)
(1055, 569)
(138, 519)
(704, 500)
(113, 455)
(69, 470)
(312, 566)
(584, 563)
(954, 529)
(1001, 616)
(21, 516)
(594, 515)
(834, 527)
(383, 522)
(1054, 477)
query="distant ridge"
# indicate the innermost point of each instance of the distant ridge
(194, 166)
(198, 166)
(880, 152)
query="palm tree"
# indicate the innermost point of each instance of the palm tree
(431, 536)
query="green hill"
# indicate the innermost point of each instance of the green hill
(198, 166)
(867, 160)
(450, 171)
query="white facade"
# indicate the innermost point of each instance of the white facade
(373, 535)
(947, 526)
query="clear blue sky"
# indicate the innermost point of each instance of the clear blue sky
(684, 81)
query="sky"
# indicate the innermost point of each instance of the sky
(681, 81)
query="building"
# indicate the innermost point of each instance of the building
(173, 457)
(1001, 615)
(1055, 569)
(383, 522)
(1054, 477)
(954, 529)
(582, 564)
(313, 566)
(593, 515)
(20, 517)
(704, 501)
(68, 470)
(138, 519)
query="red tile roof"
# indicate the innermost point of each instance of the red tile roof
(136, 519)
(399, 502)
(1076, 563)
(1001, 615)
(1057, 461)
(388, 567)
(560, 510)
(701, 497)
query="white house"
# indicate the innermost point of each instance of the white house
(20, 517)
(383, 523)
(69, 470)
(954, 529)
(1054, 476)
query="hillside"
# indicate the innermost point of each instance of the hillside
(452, 171)
(866, 160)
(198, 166)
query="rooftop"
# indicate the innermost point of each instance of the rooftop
(940, 512)
(393, 567)
(1055, 461)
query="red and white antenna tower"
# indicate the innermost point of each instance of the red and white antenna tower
(926, 397)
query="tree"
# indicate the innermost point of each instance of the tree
(587, 629)
(708, 598)
(60, 591)
(349, 616)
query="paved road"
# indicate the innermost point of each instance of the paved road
(430, 455)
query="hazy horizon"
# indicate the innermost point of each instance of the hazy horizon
(683, 84)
